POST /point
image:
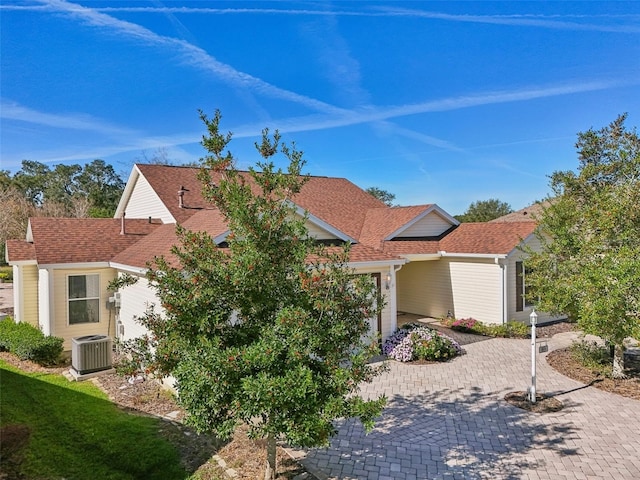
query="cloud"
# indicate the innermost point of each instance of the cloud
(76, 121)
(189, 54)
(556, 22)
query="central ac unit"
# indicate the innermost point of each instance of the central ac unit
(91, 353)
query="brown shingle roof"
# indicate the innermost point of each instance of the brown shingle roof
(381, 222)
(486, 238)
(159, 242)
(345, 211)
(84, 240)
(20, 251)
(527, 214)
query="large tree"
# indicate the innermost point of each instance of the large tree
(270, 329)
(485, 210)
(590, 233)
(382, 195)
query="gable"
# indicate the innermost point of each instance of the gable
(145, 203)
(432, 222)
(431, 225)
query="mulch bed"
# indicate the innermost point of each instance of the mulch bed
(543, 404)
(563, 361)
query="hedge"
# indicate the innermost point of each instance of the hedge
(28, 343)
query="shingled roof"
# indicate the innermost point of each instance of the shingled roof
(80, 240)
(335, 203)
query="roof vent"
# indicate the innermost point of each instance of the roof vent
(181, 193)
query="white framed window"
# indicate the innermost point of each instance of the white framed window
(83, 294)
(523, 289)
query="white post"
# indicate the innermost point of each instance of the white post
(532, 392)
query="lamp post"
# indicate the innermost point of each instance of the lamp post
(533, 318)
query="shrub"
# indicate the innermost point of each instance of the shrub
(417, 342)
(28, 343)
(594, 356)
(512, 329)
(6, 274)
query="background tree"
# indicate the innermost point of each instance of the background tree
(380, 194)
(270, 332)
(590, 234)
(485, 210)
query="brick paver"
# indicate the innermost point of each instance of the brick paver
(451, 421)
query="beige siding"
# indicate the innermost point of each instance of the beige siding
(135, 299)
(61, 328)
(466, 288)
(319, 233)
(477, 290)
(145, 203)
(29, 288)
(431, 225)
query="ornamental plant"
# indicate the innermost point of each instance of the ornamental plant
(416, 342)
(270, 328)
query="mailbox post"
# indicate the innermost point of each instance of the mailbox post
(532, 391)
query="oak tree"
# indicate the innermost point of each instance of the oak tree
(270, 327)
(590, 234)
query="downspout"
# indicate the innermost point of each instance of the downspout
(393, 303)
(17, 290)
(503, 288)
(45, 301)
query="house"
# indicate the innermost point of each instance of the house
(422, 259)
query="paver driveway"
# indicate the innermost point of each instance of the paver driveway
(451, 421)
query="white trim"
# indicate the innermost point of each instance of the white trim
(23, 262)
(221, 237)
(420, 257)
(69, 266)
(18, 288)
(128, 190)
(322, 224)
(29, 236)
(432, 209)
(45, 300)
(474, 255)
(522, 242)
(69, 300)
(375, 263)
(128, 268)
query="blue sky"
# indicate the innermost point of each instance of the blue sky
(436, 102)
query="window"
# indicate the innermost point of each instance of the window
(522, 289)
(84, 298)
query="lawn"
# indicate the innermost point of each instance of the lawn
(56, 429)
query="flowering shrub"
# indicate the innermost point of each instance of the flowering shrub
(417, 342)
(464, 324)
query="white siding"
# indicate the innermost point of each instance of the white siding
(145, 203)
(134, 302)
(465, 287)
(519, 256)
(431, 225)
(106, 325)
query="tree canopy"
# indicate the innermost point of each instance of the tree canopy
(383, 195)
(590, 235)
(269, 329)
(484, 211)
(37, 190)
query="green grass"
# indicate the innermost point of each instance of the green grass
(77, 433)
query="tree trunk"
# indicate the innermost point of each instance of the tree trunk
(270, 472)
(618, 361)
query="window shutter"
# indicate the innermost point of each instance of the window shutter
(519, 287)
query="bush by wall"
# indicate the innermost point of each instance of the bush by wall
(28, 343)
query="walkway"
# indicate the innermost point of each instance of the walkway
(451, 421)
